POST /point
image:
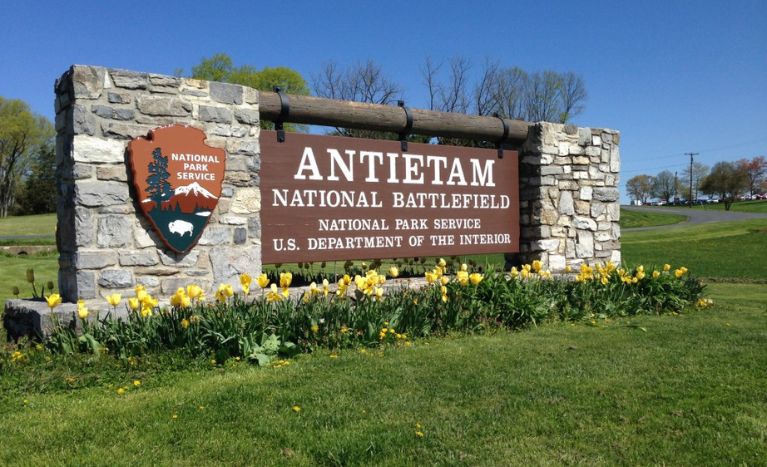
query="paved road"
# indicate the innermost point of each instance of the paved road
(694, 216)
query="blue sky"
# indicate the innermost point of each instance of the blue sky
(672, 76)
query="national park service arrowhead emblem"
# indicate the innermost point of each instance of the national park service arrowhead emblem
(178, 180)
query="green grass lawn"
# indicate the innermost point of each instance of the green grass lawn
(685, 389)
(679, 390)
(40, 224)
(631, 219)
(13, 270)
(758, 206)
(723, 250)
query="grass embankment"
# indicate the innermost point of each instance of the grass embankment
(721, 251)
(684, 389)
(630, 219)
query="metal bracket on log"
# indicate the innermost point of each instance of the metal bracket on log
(408, 126)
(502, 141)
(284, 112)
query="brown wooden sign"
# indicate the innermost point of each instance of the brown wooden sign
(335, 198)
(178, 182)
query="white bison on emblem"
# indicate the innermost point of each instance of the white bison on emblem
(181, 227)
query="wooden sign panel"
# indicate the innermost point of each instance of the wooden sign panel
(335, 198)
(178, 182)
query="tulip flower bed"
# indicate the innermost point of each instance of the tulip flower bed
(359, 312)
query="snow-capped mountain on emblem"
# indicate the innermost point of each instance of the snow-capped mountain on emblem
(195, 189)
(178, 181)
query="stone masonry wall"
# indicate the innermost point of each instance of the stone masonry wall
(105, 244)
(569, 196)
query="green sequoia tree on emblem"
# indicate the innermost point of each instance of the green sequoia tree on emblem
(158, 188)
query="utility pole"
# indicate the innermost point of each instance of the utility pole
(676, 186)
(691, 154)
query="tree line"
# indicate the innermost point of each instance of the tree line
(27, 155)
(726, 180)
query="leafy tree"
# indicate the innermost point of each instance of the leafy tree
(37, 195)
(727, 181)
(158, 188)
(21, 133)
(640, 187)
(664, 185)
(699, 172)
(220, 67)
(755, 170)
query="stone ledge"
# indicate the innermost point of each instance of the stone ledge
(34, 319)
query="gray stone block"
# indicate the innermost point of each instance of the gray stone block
(216, 235)
(113, 231)
(88, 82)
(104, 111)
(101, 193)
(178, 260)
(247, 116)
(119, 98)
(146, 257)
(164, 106)
(229, 262)
(84, 123)
(84, 226)
(94, 259)
(116, 279)
(128, 79)
(112, 172)
(240, 235)
(86, 284)
(566, 203)
(215, 114)
(606, 194)
(226, 93)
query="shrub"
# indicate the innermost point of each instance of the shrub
(259, 327)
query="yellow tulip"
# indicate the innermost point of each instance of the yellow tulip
(194, 291)
(114, 299)
(82, 310)
(185, 323)
(666, 267)
(133, 303)
(285, 279)
(475, 278)
(464, 267)
(655, 274)
(442, 263)
(53, 300)
(462, 277)
(325, 287)
(537, 265)
(394, 272)
(444, 280)
(245, 281)
(262, 280)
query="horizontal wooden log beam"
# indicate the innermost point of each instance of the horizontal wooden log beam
(347, 114)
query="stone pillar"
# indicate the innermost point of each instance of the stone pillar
(105, 244)
(569, 196)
